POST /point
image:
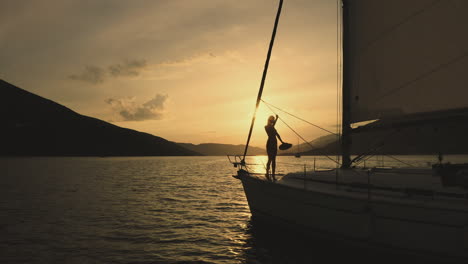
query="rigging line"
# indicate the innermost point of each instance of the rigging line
(376, 145)
(372, 151)
(289, 163)
(370, 156)
(402, 22)
(307, 142)
(338, 70)
(365, 156)
(265, 70)
(392, 157)
(399, 160)
(268, 104)
(422, 76)
(264, 166)
(359, 159)
(384, 155)
(337, 65)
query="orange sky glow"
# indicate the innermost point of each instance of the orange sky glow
(187, 71)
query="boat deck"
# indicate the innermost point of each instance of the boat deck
(415, 184)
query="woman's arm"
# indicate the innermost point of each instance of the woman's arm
(274, 123)
(279, 137)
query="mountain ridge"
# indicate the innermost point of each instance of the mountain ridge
(218, 149)
(37, 126)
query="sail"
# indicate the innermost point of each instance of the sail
(406, 57)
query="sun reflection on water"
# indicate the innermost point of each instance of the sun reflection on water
(257, 164)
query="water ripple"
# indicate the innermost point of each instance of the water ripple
(132, 210)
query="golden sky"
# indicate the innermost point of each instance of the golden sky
(184, 70)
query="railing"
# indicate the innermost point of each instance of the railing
(236, 160)
(369, 187)
(365, 187)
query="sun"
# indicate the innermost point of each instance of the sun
(262, 115)
(258, 134)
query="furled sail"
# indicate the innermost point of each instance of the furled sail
(406, 57)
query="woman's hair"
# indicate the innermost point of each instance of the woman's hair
(271, 120)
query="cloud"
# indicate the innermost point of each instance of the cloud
(127, 68)
(91, 74)
(129, 110)
(203, 58)
(97, 75)
(197, 64)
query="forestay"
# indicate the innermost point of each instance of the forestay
(407, 57)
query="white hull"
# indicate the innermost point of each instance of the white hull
(431, 226)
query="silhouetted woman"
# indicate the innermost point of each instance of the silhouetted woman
(272, 146)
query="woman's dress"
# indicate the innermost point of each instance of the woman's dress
(272, 142)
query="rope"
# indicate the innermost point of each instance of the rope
(338, 70)
(268, 104)
(422, 76)
(392, 157)
(410, 165)
(358, 160)
(265, 70)
(425, 74)
(307, 142)
(373, 149)
(402, 22)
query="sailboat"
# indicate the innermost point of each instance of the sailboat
(404, 63)
(298, 153)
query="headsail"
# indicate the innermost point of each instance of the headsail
(406, 57)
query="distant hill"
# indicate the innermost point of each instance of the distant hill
(317, 143)
(213, 149)
(418, 134)
(35, 126)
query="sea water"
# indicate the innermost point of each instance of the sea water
(148, 210)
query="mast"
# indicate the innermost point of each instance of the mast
(262, 83)
(346, 96)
